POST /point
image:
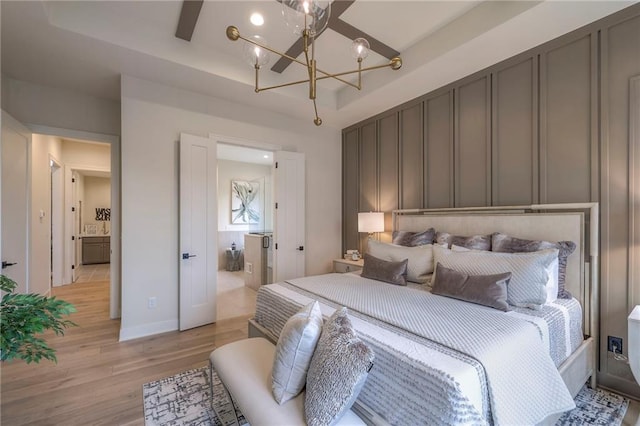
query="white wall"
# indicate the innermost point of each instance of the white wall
(153, 116)
(88, 155)
(42, 148)
(47, 106)
(96, 194)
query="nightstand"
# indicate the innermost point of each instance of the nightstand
(342, 265)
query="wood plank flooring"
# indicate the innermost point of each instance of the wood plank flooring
(97, 380)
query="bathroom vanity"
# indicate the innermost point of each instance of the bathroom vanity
(96, 250)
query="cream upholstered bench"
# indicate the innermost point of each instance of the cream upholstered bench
(245, 369)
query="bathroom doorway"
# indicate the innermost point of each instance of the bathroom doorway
(245, 222)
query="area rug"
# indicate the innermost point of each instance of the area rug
(596, 407)
(183, 399)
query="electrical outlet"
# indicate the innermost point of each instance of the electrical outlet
(614, 342)
(152, 303)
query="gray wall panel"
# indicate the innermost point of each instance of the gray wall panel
(515, 145)
(566, 112)
(472, 145)
(621, 62)
(411, 166)
(438, 151)
(388, 165)
(350, 190)
(368, 174)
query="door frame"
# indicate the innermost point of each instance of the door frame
(56, 184)
(115, 302)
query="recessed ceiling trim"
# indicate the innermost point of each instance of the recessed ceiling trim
(188, 18)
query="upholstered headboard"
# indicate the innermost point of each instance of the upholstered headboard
(557, 222)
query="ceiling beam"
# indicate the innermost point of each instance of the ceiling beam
(188, 18)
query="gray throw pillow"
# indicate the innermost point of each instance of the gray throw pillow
(412, 239)
(487, 290)
(474, 242)
(507, 244)
(337, 373)
(385, 270)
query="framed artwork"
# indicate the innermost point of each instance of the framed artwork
(244, 202)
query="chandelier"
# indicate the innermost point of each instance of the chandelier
(307, 18)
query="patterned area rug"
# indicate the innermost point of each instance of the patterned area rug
(596, 407)
(183, 399)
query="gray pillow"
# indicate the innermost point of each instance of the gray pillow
(487, 290)
(474, 242)
(384, 270)
(412, 239)
(337, 373)
(507, 244)
(294, 350)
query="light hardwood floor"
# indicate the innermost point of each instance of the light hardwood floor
(98, 381)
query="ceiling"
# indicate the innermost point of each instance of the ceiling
(86, 45)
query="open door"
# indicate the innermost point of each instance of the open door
(16, 168)
(289, 219)
(198, 255)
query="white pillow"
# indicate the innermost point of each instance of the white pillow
(420, 258)
(552, 271)
(294, 350)
(530, 272)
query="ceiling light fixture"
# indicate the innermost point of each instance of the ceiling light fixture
(307, 18)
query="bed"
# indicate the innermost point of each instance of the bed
(430, 368)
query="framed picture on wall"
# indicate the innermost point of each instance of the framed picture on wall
(244, 202)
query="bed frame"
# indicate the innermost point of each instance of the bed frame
(577, 222)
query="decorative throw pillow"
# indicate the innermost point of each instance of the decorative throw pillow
(294, 350)
(487, 290)
(419, 259)
(412, 239)
(338, 371)
(384, 270)
(530, 272)
(507, 244)
(474, 242)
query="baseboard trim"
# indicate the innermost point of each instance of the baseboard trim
(130, 333)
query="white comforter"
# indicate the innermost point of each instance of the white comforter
(524, 384)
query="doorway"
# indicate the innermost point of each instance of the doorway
(91, 207)
(245, 227)
(70, 161)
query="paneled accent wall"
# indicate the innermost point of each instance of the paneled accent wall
(551, 125)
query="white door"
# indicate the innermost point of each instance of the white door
(198, 231)
(289, 225)
(76, 233)
(15, 201)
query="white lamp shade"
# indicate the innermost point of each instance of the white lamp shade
(371, 222)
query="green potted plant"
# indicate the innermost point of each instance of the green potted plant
(23, 317)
